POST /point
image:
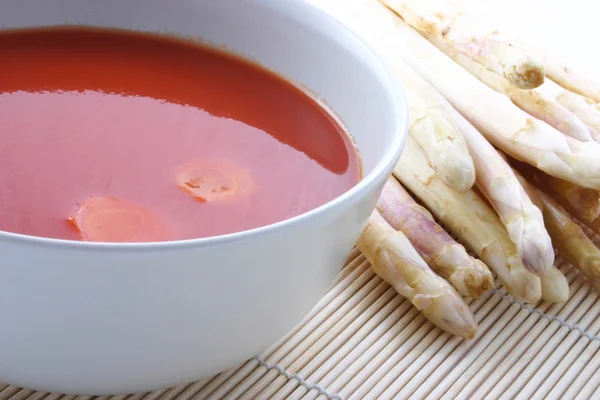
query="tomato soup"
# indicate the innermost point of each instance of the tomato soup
(114, 136)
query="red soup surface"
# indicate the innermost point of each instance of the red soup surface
(119, 137)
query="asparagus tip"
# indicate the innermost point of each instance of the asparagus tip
(594, 272)
(454, 317)
(537, 254)
(555, 287)
(525, 286)
(455, 169)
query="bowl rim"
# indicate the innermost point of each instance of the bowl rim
(386, 162)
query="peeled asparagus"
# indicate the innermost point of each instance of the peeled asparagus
(429, 122)
(471, 220)
(539, 104)
(469, 276)
(555, 287)
(501, 122)
(395, 260)
(472, 37)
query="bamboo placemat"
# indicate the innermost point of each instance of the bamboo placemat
(363, 341)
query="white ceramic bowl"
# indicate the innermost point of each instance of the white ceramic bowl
(119, 318)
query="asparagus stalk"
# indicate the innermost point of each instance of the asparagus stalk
(471, 220)
(429, 123)
(575, 210)
(434, 129)
(537, 103)
(395, 260)
(474, 38)
(583, 108)
(469, 276)
(586, 111)
(571, 79)
(587, 201)
(593, 224)
(577, 202)
(572, 242)
(503, 124)
(555, 287)
(570, 239)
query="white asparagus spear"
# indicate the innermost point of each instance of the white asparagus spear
(534, 102)
(473, 37)
(555, 287)
(585, 200)
(396, 261)
(571, 79)
(498, 183)
(585, 209)
(471, 220)
(585, 109)
(434, 129)
(570, 239)
(429, 123)
(469, 276)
